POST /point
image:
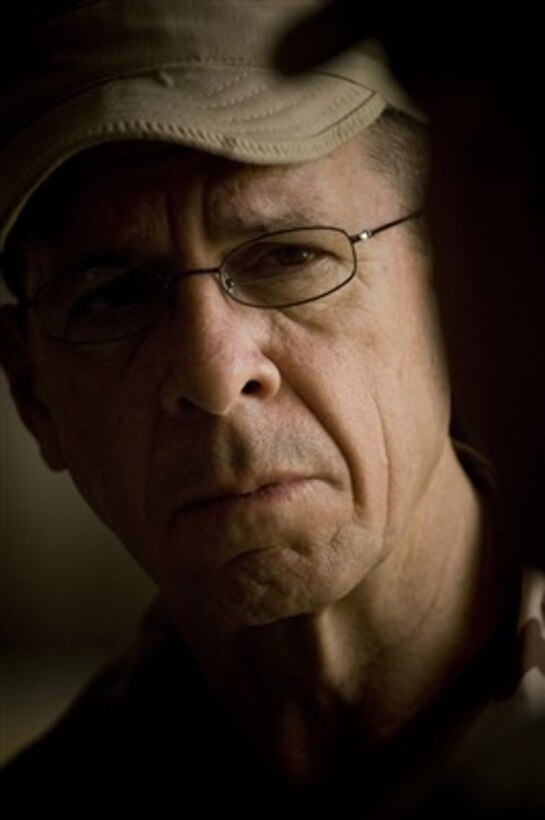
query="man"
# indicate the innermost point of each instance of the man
(227, 335)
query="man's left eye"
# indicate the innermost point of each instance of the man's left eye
(277, 258)
(291, 255)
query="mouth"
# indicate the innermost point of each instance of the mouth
(272, 490)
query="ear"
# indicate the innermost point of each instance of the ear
(20, 368)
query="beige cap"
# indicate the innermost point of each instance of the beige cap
(193, 72)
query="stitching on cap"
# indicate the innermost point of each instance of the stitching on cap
(340, 126)
(339, 102)
(267, 112)
(252, 92)
(150, 127)
(228, 83)
(146, 69)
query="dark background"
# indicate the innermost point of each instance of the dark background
(69, 595)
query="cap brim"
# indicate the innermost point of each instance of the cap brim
(266, 121)
(194, 74)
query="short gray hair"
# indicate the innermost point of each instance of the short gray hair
(397, 146)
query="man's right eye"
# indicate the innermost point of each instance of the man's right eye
(126, 291)
(101, 304)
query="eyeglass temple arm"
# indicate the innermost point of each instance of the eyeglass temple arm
(369, 233)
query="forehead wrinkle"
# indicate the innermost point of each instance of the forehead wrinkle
(259, 202)
(138, 229)
(126, 192)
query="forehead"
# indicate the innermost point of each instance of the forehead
(112, 185)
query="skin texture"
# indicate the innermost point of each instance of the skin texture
(288, 470)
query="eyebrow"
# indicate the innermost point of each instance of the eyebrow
(252, 222)
(99, 258)
(242, 224)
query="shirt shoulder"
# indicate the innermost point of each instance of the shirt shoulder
(530, 692)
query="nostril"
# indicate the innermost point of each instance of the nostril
(251, 387)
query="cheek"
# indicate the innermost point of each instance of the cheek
(374, 358)
(394, 392)
(105, 425)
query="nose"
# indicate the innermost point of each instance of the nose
(216, 351)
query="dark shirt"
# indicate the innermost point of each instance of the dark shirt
(148, 733)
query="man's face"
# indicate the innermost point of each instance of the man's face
(257, 463)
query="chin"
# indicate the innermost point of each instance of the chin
(266, 587)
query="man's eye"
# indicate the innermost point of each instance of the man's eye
(290, 255)
(268, 259)
(126, 291)
(285, 255)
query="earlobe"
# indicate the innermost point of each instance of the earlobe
(19, 367)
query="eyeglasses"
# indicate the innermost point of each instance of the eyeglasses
(281, 269)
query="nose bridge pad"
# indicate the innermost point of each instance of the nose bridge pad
(226, 284)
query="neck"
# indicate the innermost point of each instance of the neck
(309, 688)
